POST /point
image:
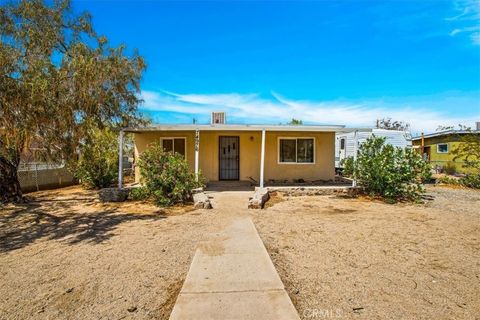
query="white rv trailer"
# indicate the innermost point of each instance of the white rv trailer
(344, 142)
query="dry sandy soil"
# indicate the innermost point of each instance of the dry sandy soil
(358, 259)
(67, 256)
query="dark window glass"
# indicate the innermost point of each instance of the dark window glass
(443, 148)
(167, 145)
(305, 150)
(342, 144)
(287, 150)
(179, 146)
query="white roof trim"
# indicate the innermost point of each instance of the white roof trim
(445, 133)
(246, 127)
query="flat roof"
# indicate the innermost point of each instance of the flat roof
(245, 127)
(445, 133)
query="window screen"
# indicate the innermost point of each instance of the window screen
(296, 150)
(305, 150)
(179, 146)
(287, 150)
(176, 145)
(167, 145)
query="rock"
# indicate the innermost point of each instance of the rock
(69, 290)
(132, 309)
(201, 201)
(259, 198)
(197, 190)
(113, 194)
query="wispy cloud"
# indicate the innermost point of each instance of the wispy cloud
(467, 19)
(420, 112)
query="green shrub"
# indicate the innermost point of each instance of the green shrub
(140, 193)
(449, 168)
(468, 181)
(347, 164)
(448, 180)
(166, 176)
(471, 181)
(97, 166)
(390, 172)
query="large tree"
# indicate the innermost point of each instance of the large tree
(58, 78)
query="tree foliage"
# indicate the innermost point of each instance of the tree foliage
(348, 166)
(468, 150)
(58, 79)
(97, 166)
(166, 177)
(390, 172)
(295, 122)
(389, 124)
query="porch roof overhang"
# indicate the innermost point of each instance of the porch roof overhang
(246, 127)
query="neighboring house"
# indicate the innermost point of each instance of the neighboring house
(235, 151)
(345, 146)
(437, 148)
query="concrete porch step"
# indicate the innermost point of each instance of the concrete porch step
(229, 186)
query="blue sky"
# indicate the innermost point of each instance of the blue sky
(342, 62)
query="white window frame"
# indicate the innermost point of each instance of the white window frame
(296, 146)
(344, 144)
(173, 143)
(442, 152)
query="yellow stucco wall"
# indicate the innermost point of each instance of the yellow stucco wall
(250, 145)
(322, 169)
(443, 159)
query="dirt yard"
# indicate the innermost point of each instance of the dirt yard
(356, 259)
(67, 256)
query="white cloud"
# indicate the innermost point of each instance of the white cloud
(251, 108)
(475, 37)
(467, 20)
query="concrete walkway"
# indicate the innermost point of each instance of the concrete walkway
(232, 277)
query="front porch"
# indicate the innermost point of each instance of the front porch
(248, 155)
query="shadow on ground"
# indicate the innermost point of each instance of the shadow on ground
(72, 220)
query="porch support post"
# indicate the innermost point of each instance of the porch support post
(120, 159)
(355, 151)
(197, 147)
(262, 158)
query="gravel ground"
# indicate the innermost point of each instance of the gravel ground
(357, 259)
(67, 256)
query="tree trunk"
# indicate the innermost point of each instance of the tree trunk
(10, 190)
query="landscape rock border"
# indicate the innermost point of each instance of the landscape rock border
(114, 194)
(260, 197)
(201, 200)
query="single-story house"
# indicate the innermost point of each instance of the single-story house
(246, 152)
(437, 147)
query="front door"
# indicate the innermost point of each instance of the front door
(229, 158)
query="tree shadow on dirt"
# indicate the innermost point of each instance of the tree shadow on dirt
(23, 224)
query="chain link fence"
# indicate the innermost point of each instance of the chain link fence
(34, 176)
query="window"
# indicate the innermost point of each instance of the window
(177, 145)
(442, 148)
(342, 144)
(296, 150)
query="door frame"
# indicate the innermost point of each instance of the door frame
(220, 155)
